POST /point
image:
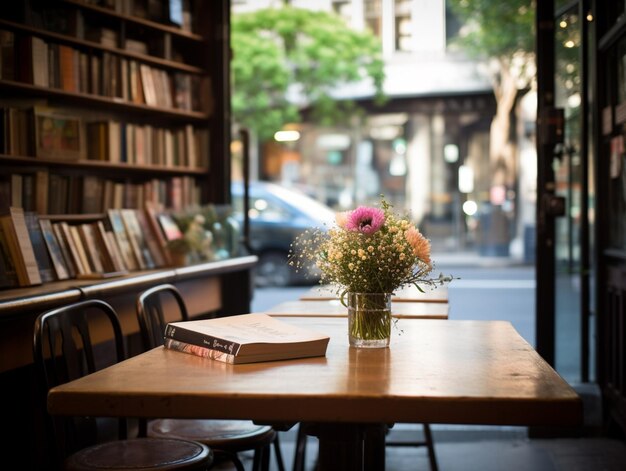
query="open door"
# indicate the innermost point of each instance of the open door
(562, 266)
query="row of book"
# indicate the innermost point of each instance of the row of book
(33, 60)
(34, 250)
(52, 193)
(117, 142)
(48, 134)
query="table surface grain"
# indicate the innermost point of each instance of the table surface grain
(466, 372)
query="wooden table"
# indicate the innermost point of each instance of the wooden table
(407, 294)
(334, 308)
(462, 372)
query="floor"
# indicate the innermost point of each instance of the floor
(469, 448)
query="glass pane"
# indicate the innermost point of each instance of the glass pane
(567, 168)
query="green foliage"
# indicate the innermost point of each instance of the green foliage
(279, 50)
(496, 28)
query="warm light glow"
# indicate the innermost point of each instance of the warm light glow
(287, 136)
(589, 17)
(470, 207)
(563, 24)
(569, 44)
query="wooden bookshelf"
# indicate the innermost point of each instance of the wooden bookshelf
(178, 81)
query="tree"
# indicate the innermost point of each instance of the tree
(288, 58)
(503, 32)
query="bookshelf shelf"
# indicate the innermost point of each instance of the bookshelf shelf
(65, 39)
(139, 21)
(87, 164)
(116, 104)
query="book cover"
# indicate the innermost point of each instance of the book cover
(92, 250)
(248, 338)
(77, 261)
(70, 264)
(112, 259)
(57, 136)
(8, 272)
(117, 225)
(54, 249)
(21, 247)
(46, 270)
(157, 251)
(137, 239)
(88, 269)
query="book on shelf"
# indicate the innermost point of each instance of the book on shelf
(20, 247)
(70, 264)
(44, 262)
(54, 249)
(57, 136)
(69, 242)
(8, 272)
(245, 338)
(123, 242)
(137, 239)
(93, 252)
(87, 268)
(112, 258)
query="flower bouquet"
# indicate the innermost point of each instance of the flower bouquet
(370, 253)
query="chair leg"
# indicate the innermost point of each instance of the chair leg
(299, 455)
(221, 456)
(279, 455)
(430, 445)
(261, 460)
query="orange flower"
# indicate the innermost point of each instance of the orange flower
(419, 243)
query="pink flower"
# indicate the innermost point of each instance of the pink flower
(365, 220)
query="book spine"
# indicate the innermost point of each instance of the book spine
(198, 351)
(176, 332)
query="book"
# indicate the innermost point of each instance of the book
(68, 241)
(123, 242)
(20, 247)
(137, 239)
(8, 273)
(46, 270)
(70, 264)
(245, 338)
(54, 249)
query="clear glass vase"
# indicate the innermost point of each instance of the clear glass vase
(369, 319)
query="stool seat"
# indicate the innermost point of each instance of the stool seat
(142, 454)
(229, 435)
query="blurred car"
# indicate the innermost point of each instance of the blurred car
(277, 216)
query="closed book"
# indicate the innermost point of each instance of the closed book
(8, 273)
(54, 249)
(46, 270)
(92, 250)
(77, 261)
(70, 264)
(137, 239)
(246, 338)
(80, 250)
(21, 247)
(123, 242)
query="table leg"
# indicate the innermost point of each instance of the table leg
(349, 447)
(374, 453)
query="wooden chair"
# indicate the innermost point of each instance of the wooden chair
(225, 437)
(68, 344)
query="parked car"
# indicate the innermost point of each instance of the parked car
(277, 216)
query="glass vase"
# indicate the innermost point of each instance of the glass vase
(369, 319)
